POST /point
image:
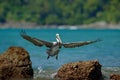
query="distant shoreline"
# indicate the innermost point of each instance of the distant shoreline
(28, 25)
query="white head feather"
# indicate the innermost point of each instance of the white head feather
(58, 38)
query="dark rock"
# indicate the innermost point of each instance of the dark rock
(115, 77)
(15, 64)
(86, 70)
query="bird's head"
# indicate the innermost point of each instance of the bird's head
(57, 35)
(58, 38)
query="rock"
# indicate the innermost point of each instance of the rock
(84, 70)
(15, 64)
(115, 77)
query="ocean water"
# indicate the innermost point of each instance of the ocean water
(107, 51)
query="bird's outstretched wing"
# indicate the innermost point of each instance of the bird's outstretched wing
(35, 41)
(78, 44)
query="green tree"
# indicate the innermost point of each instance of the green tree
(69, 12)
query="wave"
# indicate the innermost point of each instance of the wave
(48, 74)
(44, 74)
(107, 71)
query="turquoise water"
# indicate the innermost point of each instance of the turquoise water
(107, 52)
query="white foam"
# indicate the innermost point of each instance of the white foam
(53, 75)
(73, 28)
(40, 70)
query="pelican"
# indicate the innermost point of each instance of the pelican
(53, 48)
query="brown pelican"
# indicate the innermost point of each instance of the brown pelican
(54, 47)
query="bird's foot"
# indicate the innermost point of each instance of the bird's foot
(57, 57)
(48, 57)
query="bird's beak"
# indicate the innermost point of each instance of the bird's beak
(58, 38)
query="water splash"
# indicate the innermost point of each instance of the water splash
(40, 70)
(41, 73)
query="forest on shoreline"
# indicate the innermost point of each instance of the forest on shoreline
(60, 12)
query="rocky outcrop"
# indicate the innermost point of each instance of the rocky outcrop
(84, 70)
(115, 77)
(15, 64)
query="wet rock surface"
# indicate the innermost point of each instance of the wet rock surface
(115, 77)
(84, 70)
(15, 64)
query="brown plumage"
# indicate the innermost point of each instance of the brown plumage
(54, 47)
